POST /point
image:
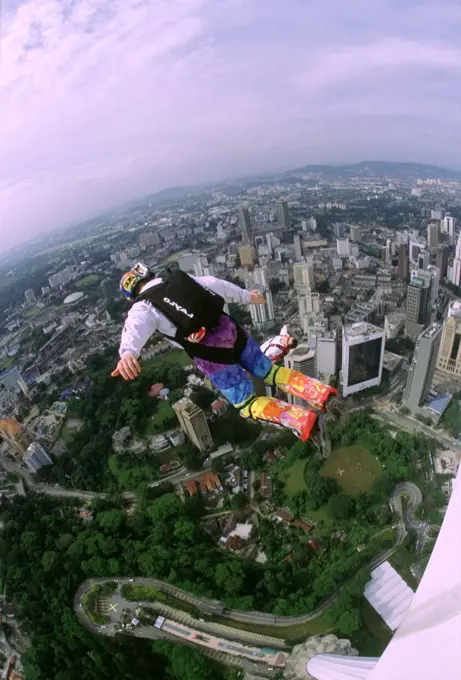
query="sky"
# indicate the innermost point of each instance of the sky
(102, 101)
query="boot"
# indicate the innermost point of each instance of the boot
(308, 389)
(269, 410)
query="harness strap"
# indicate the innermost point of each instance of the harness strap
(217, 355)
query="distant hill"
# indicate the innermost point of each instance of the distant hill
(380, 169)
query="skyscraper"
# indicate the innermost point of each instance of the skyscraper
(456, 270)
(422, 367)
(448, 227)
(355, 234)
(30, 296)
(362, 357)
(245, 225)
(449, 359)
(303, 274)
(433, 231)
(326, 354)
(342, 247)
(403, 266)
(36, 457)
(194, 424)
(298, 249)
(442, 261)
(419, 302)
(283, 215)
(247, 256)
(339, 229)
(261, 315)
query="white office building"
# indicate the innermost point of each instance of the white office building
(362, 357)
(36, 457)
(326, 354)
(448, 227)
(303, 273)
(456, 268)
(342, 247)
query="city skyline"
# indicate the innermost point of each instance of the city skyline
(102, 104)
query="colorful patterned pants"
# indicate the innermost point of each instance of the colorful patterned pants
(232, 380)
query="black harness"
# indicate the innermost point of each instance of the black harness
(191, 307)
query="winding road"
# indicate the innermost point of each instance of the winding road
(215, 607)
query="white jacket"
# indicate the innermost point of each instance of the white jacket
(144, 319)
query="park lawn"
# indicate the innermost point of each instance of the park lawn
(6, 364)
(89, 280)
(174, 356)
(293, 478)
(31, 312)
(373, 638)
(353, 467)
(163, 412)
(295, 633)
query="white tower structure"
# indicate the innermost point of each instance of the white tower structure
(456, 270)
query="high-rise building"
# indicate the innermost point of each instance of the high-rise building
(414, 249)
(247, 256)
(36, 457)
(283, 215)
(339, 229)
(203, 268)
(30, 296)
(309, 225)
(403, 267)
(441, 261)
(326, 354)
(193, 423)
(423, 259)
(449, 359)
(448, 227)
(245, 225)
(108, 289)
(16, 436)
(298, 249)
(362, 357)
(301, 359)
(419, 303)
(433, 231)
(456, 269)
(262, 315)
(308, 303)
(422, 367)
(355, 234)
(149, 239)
(303, 274)
(342, 247)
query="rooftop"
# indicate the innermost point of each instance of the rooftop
(73, 298)
(362, 329)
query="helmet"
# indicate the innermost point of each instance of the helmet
(130, 281)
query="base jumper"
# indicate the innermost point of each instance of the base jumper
(189, 311)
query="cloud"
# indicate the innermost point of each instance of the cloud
(103, 101)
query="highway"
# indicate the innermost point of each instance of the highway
(412, 425)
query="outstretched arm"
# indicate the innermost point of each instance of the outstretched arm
(229, 291)
(140, 324)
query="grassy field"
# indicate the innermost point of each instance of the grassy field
(293, 478)
(156, 423)
(31, 312)
(296, 633)
(353, 467)
(175, 356)
(89, 280)
(6, 364)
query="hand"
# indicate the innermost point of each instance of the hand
(128, 367)
(257, 298)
